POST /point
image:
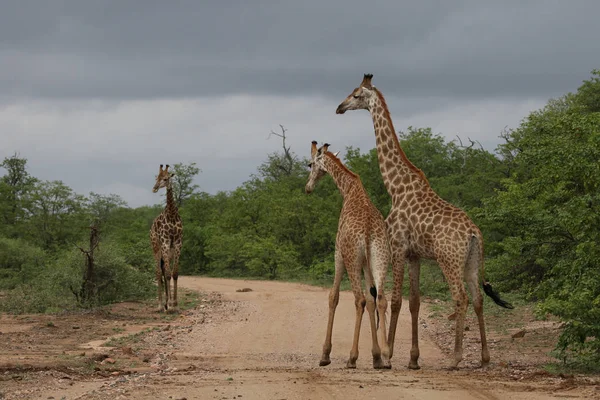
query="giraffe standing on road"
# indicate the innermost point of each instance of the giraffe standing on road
(361, 246)
(422, 225)
(166, 236)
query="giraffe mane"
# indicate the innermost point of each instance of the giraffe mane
(395, 138)
(339, 162)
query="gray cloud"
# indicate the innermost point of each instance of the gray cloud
(150, 49)
(97, 94)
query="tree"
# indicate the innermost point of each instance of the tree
(183, 186)
(13, 189)
(101, 206)
(548, 213)
(285, 161)
(55, 214)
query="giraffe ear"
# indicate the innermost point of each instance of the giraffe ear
(367, 81)
(172, 174)
(313, 148)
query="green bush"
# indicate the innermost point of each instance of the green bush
(20, 262)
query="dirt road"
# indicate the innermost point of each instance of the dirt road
(266, 344)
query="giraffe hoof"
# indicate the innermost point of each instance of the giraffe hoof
(382, 366)
(379, 363)
(351, 365)
(414, 366)
(323, 363)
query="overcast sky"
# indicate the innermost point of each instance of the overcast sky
(98, 94)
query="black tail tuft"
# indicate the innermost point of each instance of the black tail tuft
(373, 292)
(487, 288)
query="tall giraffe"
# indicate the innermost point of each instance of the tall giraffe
(422, 225)
(361, 244)
(166, 236)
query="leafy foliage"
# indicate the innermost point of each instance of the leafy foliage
(547, 216)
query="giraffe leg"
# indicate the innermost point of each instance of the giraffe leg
(167, 275)
(471, 274)
(160, 282)
(414, 303)
(380, 260)
(459, 295)
(354, 273)
(173, 306)
(334, 298)
(398, 260)
(359, 303)
(376, 350)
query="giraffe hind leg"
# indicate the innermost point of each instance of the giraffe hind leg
(371, 300)
(414, 303)
(334, 298)
(473, 263)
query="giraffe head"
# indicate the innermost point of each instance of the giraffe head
(163, 178)
(361, 98)
(317, 165)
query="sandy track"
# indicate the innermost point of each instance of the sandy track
(269, 347)
(266, 344)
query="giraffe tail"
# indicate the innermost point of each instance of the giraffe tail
(372, 289)
(373, 292)
(476, 250)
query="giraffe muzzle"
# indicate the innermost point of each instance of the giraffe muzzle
(340, 109)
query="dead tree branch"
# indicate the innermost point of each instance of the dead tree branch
(288, 165)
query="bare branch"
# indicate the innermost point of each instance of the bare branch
(286, 150)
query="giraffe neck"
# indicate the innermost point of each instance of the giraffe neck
(171, 208)
(344, 179)
(400, 176)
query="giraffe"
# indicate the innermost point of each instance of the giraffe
(423, 225)
(166, 236)
(361, 244)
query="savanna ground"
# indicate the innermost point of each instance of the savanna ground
(265, 343)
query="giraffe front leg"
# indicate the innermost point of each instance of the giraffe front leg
(414, 304)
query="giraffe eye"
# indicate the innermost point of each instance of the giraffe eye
(355, 96)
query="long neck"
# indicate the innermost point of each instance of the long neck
(344, 179)
(171, 208)
(400, 176)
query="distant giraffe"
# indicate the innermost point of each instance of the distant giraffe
(422, 225)
(361, 246)
(166, 236)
